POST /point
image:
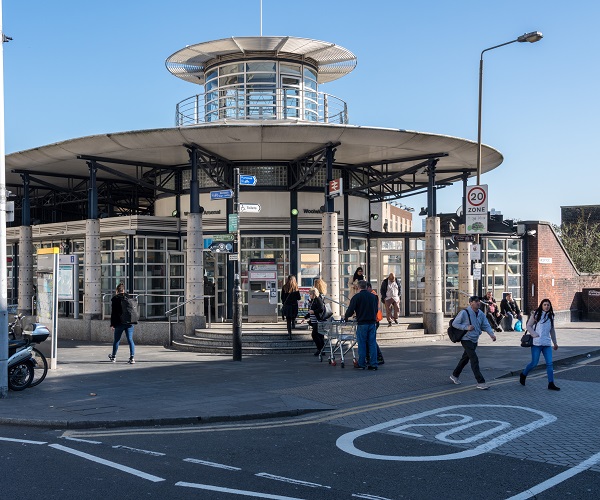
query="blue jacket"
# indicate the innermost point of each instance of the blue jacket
(479, 322)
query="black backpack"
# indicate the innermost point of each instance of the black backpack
(129, 310)
(455, 334)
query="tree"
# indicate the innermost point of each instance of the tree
(582, 241)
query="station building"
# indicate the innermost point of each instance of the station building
(140, 206)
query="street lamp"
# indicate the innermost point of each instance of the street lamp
(534, 36)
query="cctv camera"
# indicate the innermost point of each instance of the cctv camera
(531, 232)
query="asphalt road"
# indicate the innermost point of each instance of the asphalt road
(442, 441)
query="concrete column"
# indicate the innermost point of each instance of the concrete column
(433, 317)
(465, 278)
(194, 286)
(331, 259)
(92, 271)
(25, 270)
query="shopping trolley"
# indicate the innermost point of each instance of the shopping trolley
(340, 337)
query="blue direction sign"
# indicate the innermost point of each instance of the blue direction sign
(221, 195)
(247, 180)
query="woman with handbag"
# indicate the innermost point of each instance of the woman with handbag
(541, 327)
(315, 312)
(290, 295)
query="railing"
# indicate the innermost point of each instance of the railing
(275, 104)
(176, 308)
(453, 295)
(141, 303)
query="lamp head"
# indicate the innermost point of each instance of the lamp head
(534, 36)
(374, 216)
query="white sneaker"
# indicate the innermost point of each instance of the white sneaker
(483, 386)
(455, 380)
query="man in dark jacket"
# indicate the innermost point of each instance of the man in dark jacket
(365, 305)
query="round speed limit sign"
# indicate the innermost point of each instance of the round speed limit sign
(477, 199)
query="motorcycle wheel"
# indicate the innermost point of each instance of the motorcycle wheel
(20, 375)
(40, 368)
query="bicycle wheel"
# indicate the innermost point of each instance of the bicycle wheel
(40, 367)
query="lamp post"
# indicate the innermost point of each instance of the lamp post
(532, 37)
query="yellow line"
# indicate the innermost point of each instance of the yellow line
(312, 419)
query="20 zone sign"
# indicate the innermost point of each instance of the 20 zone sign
(477, 199)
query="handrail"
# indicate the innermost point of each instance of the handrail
(169, 316)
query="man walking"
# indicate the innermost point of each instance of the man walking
(365, 305)
(474, 322)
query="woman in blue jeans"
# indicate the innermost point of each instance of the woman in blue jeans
(119, 327)
(541, 328)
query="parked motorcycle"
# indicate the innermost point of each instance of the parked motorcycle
(20, 369)
(37, 334)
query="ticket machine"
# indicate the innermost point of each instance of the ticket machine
(262, 291)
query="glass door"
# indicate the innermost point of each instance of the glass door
(215, 284)
(310, 268)
(176, 280)
(393, 262)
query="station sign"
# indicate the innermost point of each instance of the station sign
(463, 238)
(232, 226)
(223, 237)
(252, 208)
(336, 188)
(247, 180)
(221, 195)
(477, 209)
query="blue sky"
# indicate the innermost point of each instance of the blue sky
(80, 68)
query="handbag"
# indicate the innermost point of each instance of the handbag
(327, 312)
(526, 340)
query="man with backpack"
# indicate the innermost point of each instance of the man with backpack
(473, 321)
(123, 316)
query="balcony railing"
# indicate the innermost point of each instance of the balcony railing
(268, 104)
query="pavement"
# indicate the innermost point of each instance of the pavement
(168, 387)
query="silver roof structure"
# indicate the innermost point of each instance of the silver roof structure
(391, 152)
(330, 60)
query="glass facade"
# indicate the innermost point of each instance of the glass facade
(261, 90)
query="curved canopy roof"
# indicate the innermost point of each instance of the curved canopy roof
(381, 153)
(331, 60)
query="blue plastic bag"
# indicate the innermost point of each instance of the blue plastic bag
(518, 326)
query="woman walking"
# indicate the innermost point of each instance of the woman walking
(541, 327)
(290, 295)
(118, 326)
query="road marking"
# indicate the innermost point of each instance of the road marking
(368, 497)
(291, 481)
(234, 492)
(114, 465)
(24, 441)
(210, 464)
(563, 476)
(81, 440)
(346, 441)
(137, 450)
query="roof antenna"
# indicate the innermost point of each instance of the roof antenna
(260, 17)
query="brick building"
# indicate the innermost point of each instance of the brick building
(551, 273)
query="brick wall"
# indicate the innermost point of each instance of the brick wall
(558, 279)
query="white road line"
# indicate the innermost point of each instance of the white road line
(563, 476)
(210, 464)
(24, 441)
(137, 450)
(368, 497)
(234, 492)
(108, 463)
(291, 481)
(81, 440)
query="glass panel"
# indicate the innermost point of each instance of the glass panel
(358, 244)
(495, 244)
(156, 257)
(104, 245)
(495, 257)
(156, 243)
(229, 69)
(310, 243)
(118, 257)
(211, 74)
(260, 66)
(391, 245)
(514, 245)
(290, 69)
